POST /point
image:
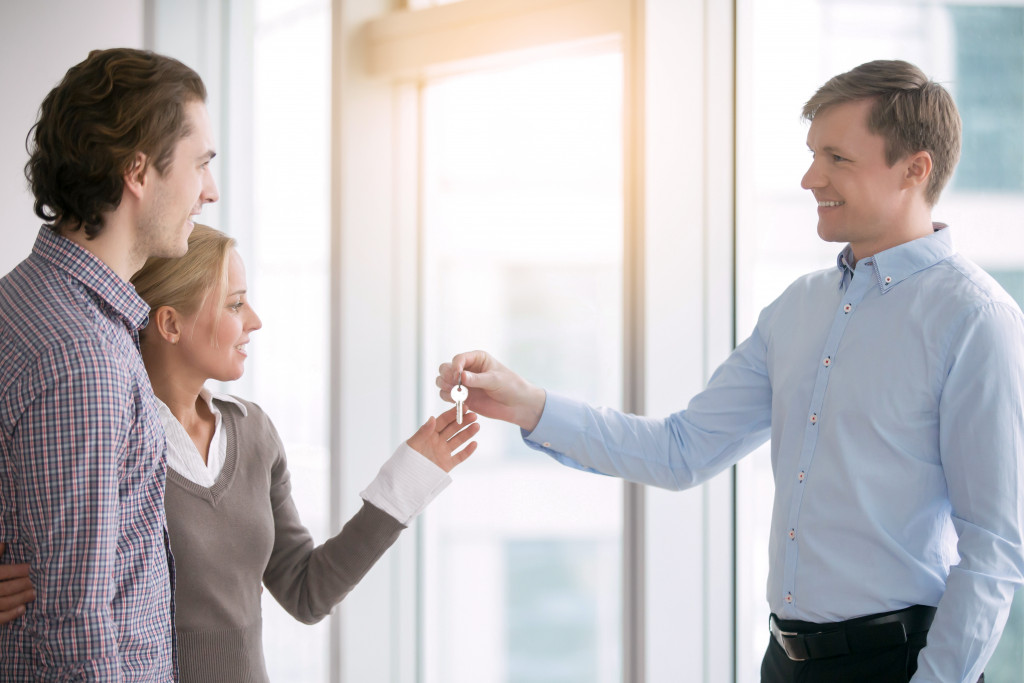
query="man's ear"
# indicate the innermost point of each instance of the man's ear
(166, 322)
(135, 175)
(918, 169)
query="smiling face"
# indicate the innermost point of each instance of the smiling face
(177, 195)
(214, 338)
(861, 199)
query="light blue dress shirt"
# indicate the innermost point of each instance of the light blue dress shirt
(894, 398)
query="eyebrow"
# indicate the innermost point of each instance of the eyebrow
(210, 154)
(829, 149)
(237, 292)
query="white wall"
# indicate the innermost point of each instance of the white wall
(39, 41)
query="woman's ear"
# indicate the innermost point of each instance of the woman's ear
(167, 323)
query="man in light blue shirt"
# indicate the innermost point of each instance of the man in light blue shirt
(892, 388)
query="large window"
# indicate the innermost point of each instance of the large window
(267, 66)
(990, 91)
(287, 249)
(523, 256)
(784, 56)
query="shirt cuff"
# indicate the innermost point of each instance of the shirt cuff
(556, 421)
(406, 484)
(558, 429)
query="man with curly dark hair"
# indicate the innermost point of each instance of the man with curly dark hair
(119, 166)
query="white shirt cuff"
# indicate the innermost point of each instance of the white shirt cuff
(406, 484)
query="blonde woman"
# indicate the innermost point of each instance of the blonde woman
(233, 526)
(230, 515)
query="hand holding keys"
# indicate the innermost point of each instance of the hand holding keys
(459, 395)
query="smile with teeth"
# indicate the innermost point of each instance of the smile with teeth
(831, 203)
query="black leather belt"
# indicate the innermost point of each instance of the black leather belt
(863, 634)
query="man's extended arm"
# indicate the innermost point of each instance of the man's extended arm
(727, 420)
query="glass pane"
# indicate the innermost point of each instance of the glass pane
(975, 51)
(287, 258)
(523, 257)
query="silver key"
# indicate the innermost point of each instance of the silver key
(459, 395)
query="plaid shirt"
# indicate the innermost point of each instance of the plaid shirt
(82, 470)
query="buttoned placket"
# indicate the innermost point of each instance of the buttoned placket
(855, 290)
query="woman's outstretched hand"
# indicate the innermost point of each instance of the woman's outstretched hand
(440, 438)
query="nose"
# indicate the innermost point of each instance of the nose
(253, 323)
(209, 193)
(813, 178)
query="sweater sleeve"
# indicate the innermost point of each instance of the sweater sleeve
(309, 581)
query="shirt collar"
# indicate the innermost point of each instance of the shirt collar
(895, 265)
(843, 262)
(209, 397)
(85, 267)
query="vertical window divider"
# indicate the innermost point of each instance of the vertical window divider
(334, 364)
(634, 522)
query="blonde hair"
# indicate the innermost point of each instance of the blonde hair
(911, 112)
(184, 283)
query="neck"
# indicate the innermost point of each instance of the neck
(172, 384)
(112, 245)
(912, 226)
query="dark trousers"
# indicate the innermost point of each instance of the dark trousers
(892, 665)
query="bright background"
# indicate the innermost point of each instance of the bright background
(605, 205)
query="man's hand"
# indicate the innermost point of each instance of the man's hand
(439, 436)
(495, 391)
(15, 589)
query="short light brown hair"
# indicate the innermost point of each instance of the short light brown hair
(911, 112)
(184, 283)
(91, 126)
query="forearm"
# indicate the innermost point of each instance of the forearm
(981, 429)
(340, 563)
(74, 647)
(73, 562)
(67, 448)
(71, 621)
(309, 584)
(676, 452)
(967, 627)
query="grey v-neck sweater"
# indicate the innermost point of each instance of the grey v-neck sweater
(245, 531)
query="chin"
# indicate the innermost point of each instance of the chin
(830, 235)
(228, 374)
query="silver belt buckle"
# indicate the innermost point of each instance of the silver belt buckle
(786, 640)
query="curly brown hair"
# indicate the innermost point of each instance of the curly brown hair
(912, 113)
(93, 124)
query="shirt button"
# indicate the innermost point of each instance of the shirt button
(827, 361)
(888, 280)
(792, 534)
(847, 308)
(546, 444)
(800, 477)
(789, 598)
(814, 419)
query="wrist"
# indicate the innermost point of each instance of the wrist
(532, 408)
